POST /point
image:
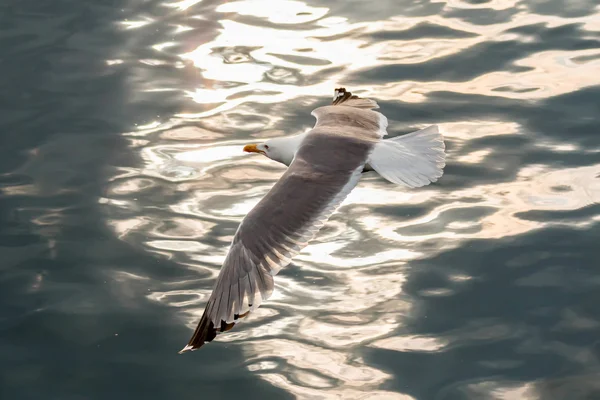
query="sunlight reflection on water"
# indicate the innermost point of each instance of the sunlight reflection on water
(267, 65)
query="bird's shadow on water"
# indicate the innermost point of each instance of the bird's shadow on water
(526, 312)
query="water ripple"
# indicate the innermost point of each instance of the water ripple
(372, 289)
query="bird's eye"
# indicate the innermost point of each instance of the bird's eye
(267, 146)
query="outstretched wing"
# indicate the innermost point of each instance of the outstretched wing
(326, 168)
(356, 113)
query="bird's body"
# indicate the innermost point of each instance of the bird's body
(289, 145)
(324, 166)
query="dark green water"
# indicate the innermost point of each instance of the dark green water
(122, 182)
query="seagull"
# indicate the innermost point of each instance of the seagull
(324, 165)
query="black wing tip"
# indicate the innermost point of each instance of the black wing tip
(205, 332)
(187, 348)
(340, 95)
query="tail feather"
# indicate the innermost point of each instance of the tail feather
(412, 160)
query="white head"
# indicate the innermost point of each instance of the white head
(281, 149)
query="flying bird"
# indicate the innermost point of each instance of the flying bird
(325, 164)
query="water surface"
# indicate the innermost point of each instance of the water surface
(122, 182)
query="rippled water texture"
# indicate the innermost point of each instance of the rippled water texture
(123, 181)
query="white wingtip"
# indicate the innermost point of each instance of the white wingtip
(383, 124)
(186, 348)
(337, 94)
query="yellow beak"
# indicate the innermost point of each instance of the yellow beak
(251, 148)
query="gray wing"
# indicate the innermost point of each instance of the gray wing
(352, 113)
(326, 168)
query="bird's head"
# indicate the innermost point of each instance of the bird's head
(262, 148)
(272, 149)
